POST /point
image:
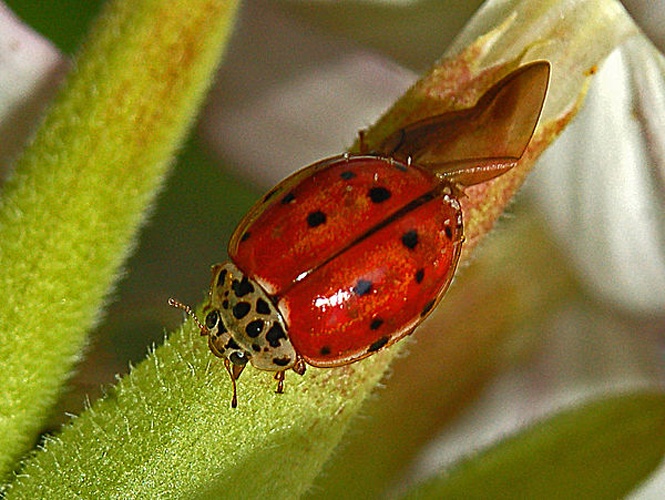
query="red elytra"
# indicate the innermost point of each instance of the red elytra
(350, 254)
(359, 249)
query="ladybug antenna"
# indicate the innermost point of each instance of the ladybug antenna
(179, 305)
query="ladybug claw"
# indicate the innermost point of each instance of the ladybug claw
(279, 376)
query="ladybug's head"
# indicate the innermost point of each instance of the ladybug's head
(243, 324)
(250, 318)
(220, 340)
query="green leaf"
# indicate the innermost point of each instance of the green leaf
(70, 213)
(603, 449)
(168, 430)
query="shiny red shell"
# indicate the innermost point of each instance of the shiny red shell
(355, 250)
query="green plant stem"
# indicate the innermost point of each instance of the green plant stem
(79, 194)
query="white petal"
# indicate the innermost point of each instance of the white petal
(601, 186)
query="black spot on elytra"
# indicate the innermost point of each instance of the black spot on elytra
(410, 239)
(363, 287)
(325, 350)
(245, 236)
(379, 194)
(225, 304)
(275, 335)
(376, 324)
(241, 309)
(347, 175)
(315, 219)
(281, 361)
(254, 328)
(428, 307)
(242, 287)
(377, 344)
(420, 274)
(262, 306)
(449, 232)
(288, 198)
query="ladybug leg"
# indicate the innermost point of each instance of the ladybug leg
(279, 376)
(234, 372)
(300, 366)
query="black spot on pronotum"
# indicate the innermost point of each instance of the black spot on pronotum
(420, 275)
(428, 307)
(254, 328)
(288, 198)
(231, 344)
(225, 304)
(242, 287)
(221, 277)
(325, 350)
(410, 239)
(376, 324)
(347, 175)
(281, 361)
(241, 309)
(449, 232)
(221, 328)
(315, 219)
(256, 347)
(377, 344)
(275, 335)
(262, 306)
(379, 194)
(363, 287)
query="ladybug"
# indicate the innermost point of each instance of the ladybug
(349, 255)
